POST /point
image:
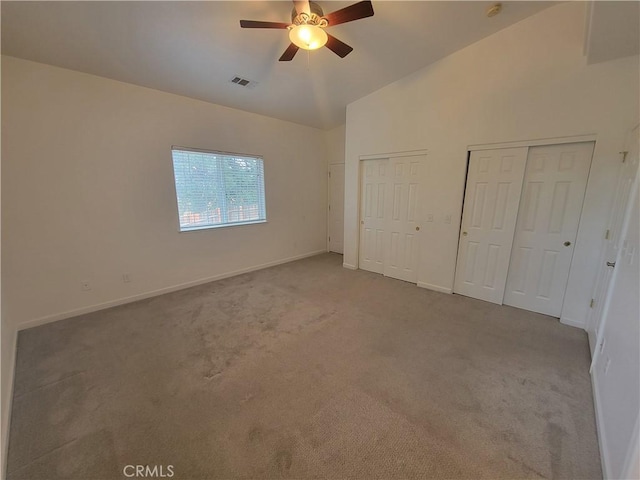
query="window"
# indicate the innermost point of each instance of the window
(216, 189)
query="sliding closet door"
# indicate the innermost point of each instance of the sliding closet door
(553, 192)
(373, 211)
(402, 219)
(389, 214)
(494, 184)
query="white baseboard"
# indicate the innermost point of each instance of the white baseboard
(602, 443)
(435, 288)
(573, 323)
(154, 293)
(7, 396)
(349, 266)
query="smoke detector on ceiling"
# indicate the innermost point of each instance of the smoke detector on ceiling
(494, 10)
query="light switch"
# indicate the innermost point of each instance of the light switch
(430, 217)
(447, 219)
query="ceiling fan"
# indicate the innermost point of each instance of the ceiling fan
(308, 22)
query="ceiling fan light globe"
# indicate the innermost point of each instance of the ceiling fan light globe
(308, 37)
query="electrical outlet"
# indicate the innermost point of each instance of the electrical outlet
(85, 285)
(126, 277)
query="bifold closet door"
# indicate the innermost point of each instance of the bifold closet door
(494, 184)
(373, 210)
(554, 185)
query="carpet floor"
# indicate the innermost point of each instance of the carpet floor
(304, 370)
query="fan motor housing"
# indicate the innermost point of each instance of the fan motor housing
(314, 8)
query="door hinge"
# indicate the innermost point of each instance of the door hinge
(592, 303)
(329, 238)
(329, 207)
(606, 235)
(329, 174)
(624, 156)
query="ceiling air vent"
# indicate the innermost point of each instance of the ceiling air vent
(243, 82)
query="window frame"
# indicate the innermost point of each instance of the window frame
(262, 190)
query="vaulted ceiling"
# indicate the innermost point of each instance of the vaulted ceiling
(195, 48)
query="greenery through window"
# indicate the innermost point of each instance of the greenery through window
(217, 189)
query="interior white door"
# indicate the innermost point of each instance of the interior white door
(402, 219)
(616, 363)
(372, 214)
(492, 194)
(336, 207)
(554, 184)
(612, 241)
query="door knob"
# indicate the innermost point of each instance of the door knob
(611, 264)
(567, 243)
(417, 229)
(361, 222)
(464, 234)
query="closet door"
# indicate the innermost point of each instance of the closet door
(389, 214)
(494, 184)
(554, 185)
(402, 219)
(373, 211)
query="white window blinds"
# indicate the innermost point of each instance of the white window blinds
(217, 189)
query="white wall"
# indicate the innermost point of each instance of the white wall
(88, 191)
(335, 139)
(529, 81)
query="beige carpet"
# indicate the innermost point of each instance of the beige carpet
(305, 370)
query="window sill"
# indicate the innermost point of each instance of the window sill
(226, 225)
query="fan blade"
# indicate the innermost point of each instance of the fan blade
(338, 47)
(349, 14)
(257, 24)
(289, 53)
(302, 6)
